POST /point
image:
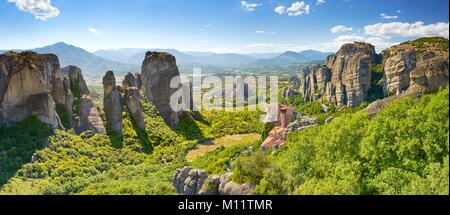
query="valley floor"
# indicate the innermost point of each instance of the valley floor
(227, 141)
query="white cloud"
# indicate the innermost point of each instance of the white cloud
(280, 10)
(340, 28)
(249, 6)
(320, 2)
(298, 8)
(94, 30)
(349, 38)
(385, 16)
(264, 32)
(41, 9)
(399, 11)
(417, 29)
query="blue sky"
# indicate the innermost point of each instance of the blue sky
(219, 25)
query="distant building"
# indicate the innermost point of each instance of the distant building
(277, 136)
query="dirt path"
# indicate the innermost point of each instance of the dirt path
(226, 141)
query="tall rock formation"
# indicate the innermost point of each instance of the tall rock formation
(158, 69)
(313, 82)
(420, 65)
(112, 102)
(351, 69)
(29, 83)
(86, 116)
(412, 69)
(132, 100)
(345, 80)
(397, 65)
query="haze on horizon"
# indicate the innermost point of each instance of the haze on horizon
(235, 26)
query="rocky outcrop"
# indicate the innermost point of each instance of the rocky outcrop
(188, 181)
(431, 72)
(301, 123)
(351, 69)
(88, 117)
(313, 82)
(85, 113)
(30, 83)
(397, 66)
(132, 100)
(412, 69)
(158, 69)
(345, 80)
(139, 81)
(77, 83)
(420, 65)
(112, 102)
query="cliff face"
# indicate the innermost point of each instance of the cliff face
(313, 82)
(413, 68)
(344, 80)
(132, 99)
(30, 83)
(86, 116)
(112, 102)
(158, 69)
(416, 66)
(351, 69)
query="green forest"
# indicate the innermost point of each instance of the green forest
(402, 150)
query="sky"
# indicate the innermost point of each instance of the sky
(222, 26)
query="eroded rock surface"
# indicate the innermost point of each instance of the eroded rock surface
(188, 181)
(132, 100)
(85, 113)
(28, 85)
(158, 69)
(112, 102)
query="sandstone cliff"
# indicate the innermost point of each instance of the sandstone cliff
(313, 82)
(132, 100)
(413, 68)
(30, 83)
(112, 102)
(158, 69)
(420, 65)
(351, 69)
(85, 113)
(345, 80)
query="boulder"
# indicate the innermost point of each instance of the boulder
(188, 181)
(112, 102)
(227, 187)
(158, 69)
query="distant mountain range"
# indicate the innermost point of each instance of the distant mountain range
(91, 65)
(126, 60)
(294, 58)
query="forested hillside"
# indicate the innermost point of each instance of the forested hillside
(402, 150)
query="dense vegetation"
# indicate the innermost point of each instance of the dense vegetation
(213, 124)
(402, 150)
(138, 161)
(18, 143)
